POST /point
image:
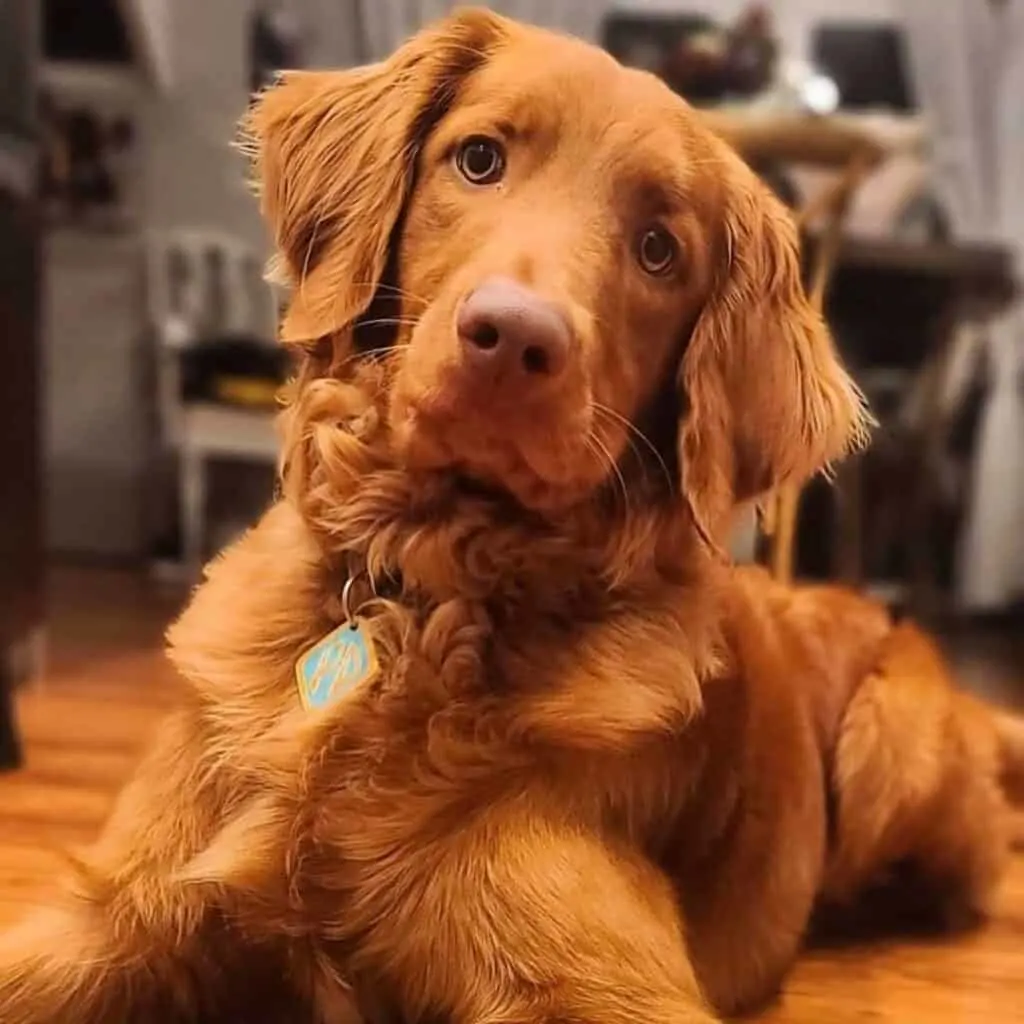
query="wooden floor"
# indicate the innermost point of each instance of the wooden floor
(107, 686)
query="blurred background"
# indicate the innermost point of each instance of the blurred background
(136, 333)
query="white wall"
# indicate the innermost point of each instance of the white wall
(151, 26)
(193, 176)
(329, 32)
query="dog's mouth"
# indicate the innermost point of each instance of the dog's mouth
(545, 456)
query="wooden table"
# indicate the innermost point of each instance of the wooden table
(793, 138)
(980, 273)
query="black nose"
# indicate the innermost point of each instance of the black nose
(512, 335)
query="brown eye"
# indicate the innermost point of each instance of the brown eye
(480, 160)
(656, 251)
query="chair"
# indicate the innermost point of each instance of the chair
(203, 285)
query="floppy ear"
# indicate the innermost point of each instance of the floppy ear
(334, 155)
(766, 398)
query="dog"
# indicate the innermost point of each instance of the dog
(483, 726)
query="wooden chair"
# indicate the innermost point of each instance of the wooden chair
(820, 142)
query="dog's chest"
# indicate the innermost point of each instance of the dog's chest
(389, 756)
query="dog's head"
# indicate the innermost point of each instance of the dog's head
(584, 284)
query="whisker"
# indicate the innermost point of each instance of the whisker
(631, 445)
(399, 292)
(634, 431)
(389, 321)
(599, 446)
(391, 291)
(309, 250)
(383, 351)
(602, 460)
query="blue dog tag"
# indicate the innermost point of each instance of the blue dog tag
(336, 665)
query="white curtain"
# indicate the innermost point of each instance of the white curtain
(967, 58)
(387, 22)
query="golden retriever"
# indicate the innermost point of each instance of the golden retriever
(550, 333)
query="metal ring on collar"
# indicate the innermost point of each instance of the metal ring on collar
(346, 599)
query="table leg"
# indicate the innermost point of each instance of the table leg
(783, 554)
(848, 549)
(925, 599)
(192, 508)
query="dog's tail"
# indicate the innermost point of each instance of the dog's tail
(1010, 734)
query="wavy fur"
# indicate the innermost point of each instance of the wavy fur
(601, 776)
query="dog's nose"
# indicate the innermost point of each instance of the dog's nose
(513, 334)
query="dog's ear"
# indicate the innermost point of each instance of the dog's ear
(766, 400)
(334, 155)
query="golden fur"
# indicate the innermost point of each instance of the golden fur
(602, 776)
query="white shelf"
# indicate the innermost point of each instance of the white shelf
(70, 78)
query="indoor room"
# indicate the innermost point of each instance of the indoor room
(511, 513)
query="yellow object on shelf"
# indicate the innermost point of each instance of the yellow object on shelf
(253, 392)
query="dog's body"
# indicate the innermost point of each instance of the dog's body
(601, 775)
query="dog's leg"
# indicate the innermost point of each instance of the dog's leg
(747, 916)
(533, 925)
(125, 942)
(748, 901)
(132, 938)
(917, 772)
(118, 929)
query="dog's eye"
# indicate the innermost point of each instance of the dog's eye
(480, 160)
(656, 251)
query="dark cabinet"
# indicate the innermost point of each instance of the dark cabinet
(21, 512)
